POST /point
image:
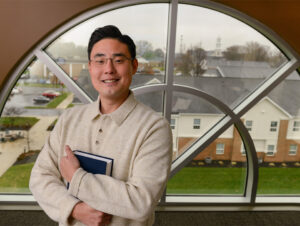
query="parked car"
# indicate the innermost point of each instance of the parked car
(41, 100)
(51, 94)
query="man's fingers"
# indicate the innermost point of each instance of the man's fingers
(68, 151)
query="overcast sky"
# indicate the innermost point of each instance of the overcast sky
(196, 26)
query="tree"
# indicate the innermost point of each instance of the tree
(144, 49)
(252, 51)
(198, 60)
(234, 53)
(276, 58)
(67, 50)
(159, 53)
(192, 62)
(256, 52)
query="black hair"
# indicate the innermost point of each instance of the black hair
(111, 31)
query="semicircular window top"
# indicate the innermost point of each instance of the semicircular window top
(231, 97)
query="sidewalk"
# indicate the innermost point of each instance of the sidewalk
(66, 102)
(10, 151)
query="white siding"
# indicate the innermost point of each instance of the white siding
(262, 114)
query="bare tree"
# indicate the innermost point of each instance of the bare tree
(192, 62)
(256, 52)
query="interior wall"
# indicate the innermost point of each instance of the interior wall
(24, 23)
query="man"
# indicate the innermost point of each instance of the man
(115, 126)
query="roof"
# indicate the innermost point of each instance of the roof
(229, 90)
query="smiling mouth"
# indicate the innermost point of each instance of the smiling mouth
(110, 80)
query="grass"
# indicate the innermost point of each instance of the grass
(202, 180)
(52, 104)
(16, 179)
(283, 180)
(21, 122)
(40, 85)
(191, 180)
(57, 100)
(206, 180)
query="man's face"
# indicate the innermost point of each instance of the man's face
(111, 69)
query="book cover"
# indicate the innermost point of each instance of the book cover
(95, 164)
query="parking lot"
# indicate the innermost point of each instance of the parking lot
(25, 98)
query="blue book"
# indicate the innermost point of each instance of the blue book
(94, 164)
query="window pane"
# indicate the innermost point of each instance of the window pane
(211, 172)
(188, 109)
(146, 24)
(153, 99)
(273, 135)
(28, 117)
(221, 55)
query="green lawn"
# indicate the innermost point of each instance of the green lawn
(283, 180)
(16, 179)
(57, 100)
(190, 180)
(53, 103)
(18, 121)
(206, 180)
(202, 180)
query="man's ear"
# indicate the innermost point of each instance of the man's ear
(135, 65)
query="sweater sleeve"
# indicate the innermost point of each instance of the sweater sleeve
(137, 197)
(46, 183)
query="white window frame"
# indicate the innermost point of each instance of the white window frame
(273, 128)
(196, 124)
(173, 123)
(249, 125)
(270, 152)
(220, 148)
(243, 149)
(293, 149)
(296, 126)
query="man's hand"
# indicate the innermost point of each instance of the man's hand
(89, 216)
(68, 164)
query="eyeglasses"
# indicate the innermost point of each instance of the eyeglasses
(116, 60)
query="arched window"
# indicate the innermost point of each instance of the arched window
(227, 84)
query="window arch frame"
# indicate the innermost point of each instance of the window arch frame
(168, 87)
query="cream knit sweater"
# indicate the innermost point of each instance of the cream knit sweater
(139, 141)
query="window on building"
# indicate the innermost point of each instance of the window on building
(293, 149)
(196, 124)
(273, 126)
(270, 150)
(172, 123)
(220, 148)
(243, 150)
(248, 124)
(296, 126)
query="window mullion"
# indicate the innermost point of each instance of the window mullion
(266, 87)
(171, 44)
(64, 78)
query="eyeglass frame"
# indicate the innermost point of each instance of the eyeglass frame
(109, 58)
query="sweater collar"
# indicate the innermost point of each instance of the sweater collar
(118, 115)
